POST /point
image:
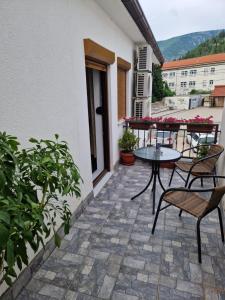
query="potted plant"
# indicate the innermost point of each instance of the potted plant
(200, 124)
(169, 124)
(127, 144)
(33, 183)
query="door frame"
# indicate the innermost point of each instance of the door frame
(99, 58)
(105, 117)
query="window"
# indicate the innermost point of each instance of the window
(193, 72)
(212, 70)
(122, 68)
(191, 83)
(205, 71)
(172, 74)
(184, 73)
(210, 82)
(183, 84)
(204, 83)
(171, 84)
(165, 75)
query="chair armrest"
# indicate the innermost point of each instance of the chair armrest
(204, 176)
(195, 147)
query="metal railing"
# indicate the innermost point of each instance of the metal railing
(179, 136)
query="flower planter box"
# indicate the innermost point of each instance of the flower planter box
(201, 128)
(140, 125)
(168, 126)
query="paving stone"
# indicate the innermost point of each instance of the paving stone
(77, 259)
(98, 254)
(133, 263)
(107, 287)
(142, 277)
(71, 295)
(50, 275)
(119, 296)
(186, 286)
(110, 250)
(167, 281)
(52, 291)
(196, 273)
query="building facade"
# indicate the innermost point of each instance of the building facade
(200, 73)
(67, 68)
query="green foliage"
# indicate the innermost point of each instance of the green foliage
(211, 46)
(128, 141)
(196, 92)
(202, 151)
(160, 88)
(178, 46)
(167, 91)
(32, 182)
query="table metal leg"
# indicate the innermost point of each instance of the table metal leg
(150, 180)
(160, 182)
(155, 172)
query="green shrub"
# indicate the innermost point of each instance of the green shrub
(32, 184)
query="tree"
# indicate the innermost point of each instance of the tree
(160, 88)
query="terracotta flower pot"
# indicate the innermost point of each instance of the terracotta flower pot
(201, 128)
(127, 158)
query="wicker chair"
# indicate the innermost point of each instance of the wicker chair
(192, 202)
(199, 167)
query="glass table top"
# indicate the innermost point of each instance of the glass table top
(163, 154)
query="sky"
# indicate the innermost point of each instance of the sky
(169, 18)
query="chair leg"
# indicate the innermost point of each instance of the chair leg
(201, 182)
(221, 224)
(214, 179)
(199, 241)
(180, 213)
(186, 182)
(156, 216)
(172, 176)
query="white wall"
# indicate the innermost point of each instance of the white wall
(42, 78)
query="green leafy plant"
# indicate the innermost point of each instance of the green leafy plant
(32, 184)
(202, 151)
(128, 141)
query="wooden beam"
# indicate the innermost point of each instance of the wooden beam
(96, 52)
(123, 64)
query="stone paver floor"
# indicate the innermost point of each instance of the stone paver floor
(111, 254)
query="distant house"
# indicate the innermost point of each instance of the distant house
(66, 68)
(200, 73)
(218, 96)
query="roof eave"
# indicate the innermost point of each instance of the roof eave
(136, 12)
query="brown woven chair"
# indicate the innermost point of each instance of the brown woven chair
(199, 167)
(192, 202)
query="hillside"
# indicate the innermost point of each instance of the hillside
(178, 46)
(210, 46)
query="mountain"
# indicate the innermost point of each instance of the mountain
(211, 46)
(178, 46)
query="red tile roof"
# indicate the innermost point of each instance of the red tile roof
(219, 91)
(182, 63)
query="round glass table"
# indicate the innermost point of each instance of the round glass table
(155, 157)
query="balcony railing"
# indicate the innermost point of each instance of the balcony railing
(179, 136)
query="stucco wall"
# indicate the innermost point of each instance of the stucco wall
(42, 78)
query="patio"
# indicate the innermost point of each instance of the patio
(111, 254)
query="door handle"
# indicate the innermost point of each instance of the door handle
(99, 110)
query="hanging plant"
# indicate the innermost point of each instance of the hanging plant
(32, 184)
